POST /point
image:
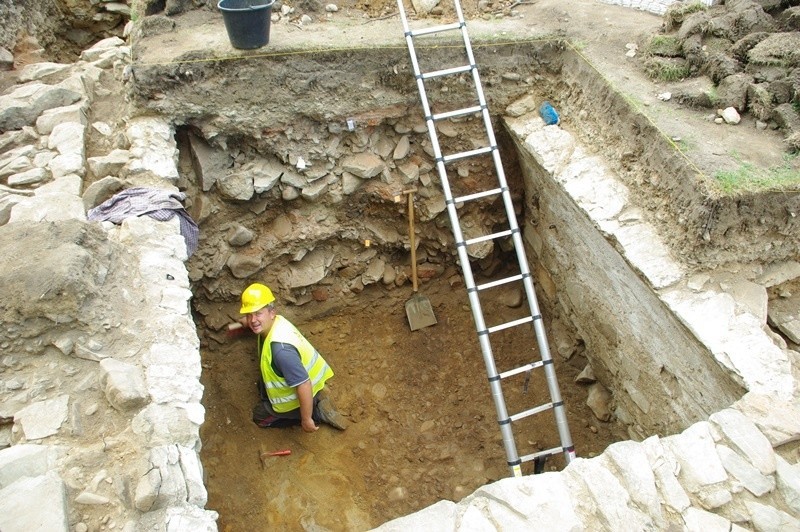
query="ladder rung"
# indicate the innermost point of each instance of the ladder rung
(549, 452)
(487, 237)
(498, 282)
(446, 72)
(465, 154)
(521, 369)
(458, 112)
(514, 323)
(435, 29)
(532, 411)
(478, 195)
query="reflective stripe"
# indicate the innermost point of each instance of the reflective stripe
(282, 396)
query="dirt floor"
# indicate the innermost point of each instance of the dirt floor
(424, 427)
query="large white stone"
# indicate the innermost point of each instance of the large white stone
(36, 71)
(736, 339)
(50, 208)
(193, 477)
(67, 163)
(630, 461)
(35, 504)
(777, 419)
(75, 113)
(770, 519)
(698, 520)
(666, 469)
(553, 509)
(153, 147)
(611, 500)
(124, 384)
(43, 418)
(25, 460)
(789, 483)
(695, 451)
(743, 471)
(746, 439)
(68, 138)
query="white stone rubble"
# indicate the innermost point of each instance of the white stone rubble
(158, 389)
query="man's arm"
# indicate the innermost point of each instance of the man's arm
(287, 364)
(306, 406)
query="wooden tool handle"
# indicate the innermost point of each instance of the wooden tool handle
(411, 238)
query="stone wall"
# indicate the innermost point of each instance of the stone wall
(645, 320)
(663, 377)
(100, 388)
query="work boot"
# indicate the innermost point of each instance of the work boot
(327, 414)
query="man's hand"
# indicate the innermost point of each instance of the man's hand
(308, 425)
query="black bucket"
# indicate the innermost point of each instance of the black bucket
(247, 22)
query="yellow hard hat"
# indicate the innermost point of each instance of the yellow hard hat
(255, 297)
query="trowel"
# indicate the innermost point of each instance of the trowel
(418, 308)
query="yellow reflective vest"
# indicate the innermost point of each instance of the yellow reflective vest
(282, 396)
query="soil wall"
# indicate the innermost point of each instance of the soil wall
(702, 226)
(58, 29)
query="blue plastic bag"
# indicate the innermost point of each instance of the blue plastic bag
(548, 114)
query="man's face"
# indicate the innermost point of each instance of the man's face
(261, 320)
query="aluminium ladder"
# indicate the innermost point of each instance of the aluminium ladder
(546, 363)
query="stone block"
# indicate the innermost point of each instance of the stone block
(743, 471)
(43, 418)
(35, 503)
(123, 384)
(789, 483)
(746, 439)
(24, 460)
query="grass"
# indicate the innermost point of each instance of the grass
(677, 13)
(747, 178)
(665, 46)
(666, 69)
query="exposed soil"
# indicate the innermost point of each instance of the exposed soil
(424, 426)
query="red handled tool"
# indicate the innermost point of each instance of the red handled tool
(282, 452)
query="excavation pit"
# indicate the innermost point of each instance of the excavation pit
(306, 167)
(676, 296)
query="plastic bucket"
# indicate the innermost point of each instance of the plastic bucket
(247, 22)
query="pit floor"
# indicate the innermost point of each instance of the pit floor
(424, 425)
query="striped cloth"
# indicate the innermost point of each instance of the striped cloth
(157, 203)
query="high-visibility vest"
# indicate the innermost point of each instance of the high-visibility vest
(282, 396)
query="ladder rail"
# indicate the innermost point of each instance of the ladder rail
(556, 403)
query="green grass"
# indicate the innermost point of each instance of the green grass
(665, 46)
(666, 69)
(747, 178)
